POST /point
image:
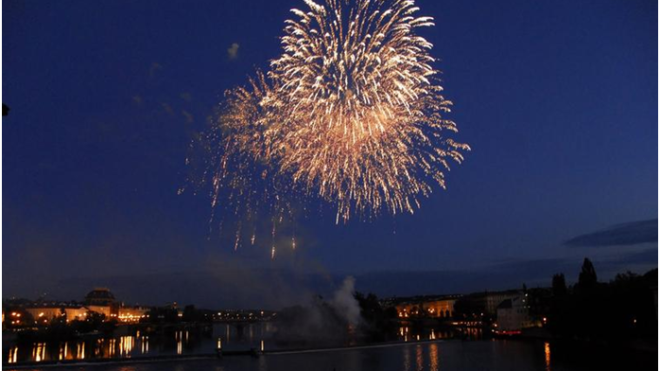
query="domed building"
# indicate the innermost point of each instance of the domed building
(100, 296)
(101, 300)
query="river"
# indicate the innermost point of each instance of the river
(436, 352)
(441, 355)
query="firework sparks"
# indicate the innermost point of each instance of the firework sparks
(359, 112)
(243, 177)
(351, 112)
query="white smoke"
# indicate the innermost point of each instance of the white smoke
(345, 303)
(322, 322)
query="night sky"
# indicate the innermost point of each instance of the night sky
(558, 100)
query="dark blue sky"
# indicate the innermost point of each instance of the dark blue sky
(557, 99)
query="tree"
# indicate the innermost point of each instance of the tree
(559, 285)
(190, 314)
(162, 315)
(622, 310)
(377, 322)
(469, 306)
(588, 278)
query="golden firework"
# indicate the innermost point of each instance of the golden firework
(350, 112)
(358, 109)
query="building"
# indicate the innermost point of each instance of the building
(513, 316)
(132, 314)
(494, 299)
(482, 306)
(429, 307)
(538, 305)
(44, 314)
(106, 310)
(102, 301)
(100, 296)
(98, 301)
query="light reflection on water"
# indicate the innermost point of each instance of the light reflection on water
(179, 342)
(419, 357)
(126, 346)
(39, 352)
(64, 351)
(496, 355)
(406, 359)
(80, 354)
(433, 355)
(145, 345)
(13, 353)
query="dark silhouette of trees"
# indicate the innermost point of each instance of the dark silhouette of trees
(588, 278)
(618, 311)
(651, 278)
(559, 285)
(470, 306)
(17, 318)
(559, 320)
(162, 315)
(193, 315)
(377, 323)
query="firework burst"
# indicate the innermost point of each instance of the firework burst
(242, 174)
(360, 111)
(350, 112)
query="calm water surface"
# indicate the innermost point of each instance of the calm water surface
(493, 355)
(232, 337)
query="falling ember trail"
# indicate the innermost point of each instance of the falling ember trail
(238, 236)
